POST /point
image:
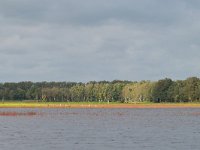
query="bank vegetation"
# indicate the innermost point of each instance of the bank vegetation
(165, 90)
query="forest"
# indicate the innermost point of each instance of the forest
(164, 90)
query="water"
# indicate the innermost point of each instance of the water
(100, 129)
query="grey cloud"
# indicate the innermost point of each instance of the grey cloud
(90, 12)
(73, 40)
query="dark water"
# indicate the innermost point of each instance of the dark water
(101, 129)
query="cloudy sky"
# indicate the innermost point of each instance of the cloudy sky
(83, 40)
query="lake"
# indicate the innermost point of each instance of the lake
(99, 129)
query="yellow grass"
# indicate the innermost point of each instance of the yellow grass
(95, 105)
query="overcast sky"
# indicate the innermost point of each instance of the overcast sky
(84, 40)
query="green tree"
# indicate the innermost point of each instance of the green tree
(160, 91)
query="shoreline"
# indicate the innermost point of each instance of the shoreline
(96, 105)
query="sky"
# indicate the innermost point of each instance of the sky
(86, 40)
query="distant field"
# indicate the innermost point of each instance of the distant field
(95, 105)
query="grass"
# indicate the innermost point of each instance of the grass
(31, 104)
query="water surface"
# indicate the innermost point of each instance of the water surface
(100, 129)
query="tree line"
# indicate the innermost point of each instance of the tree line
(165, 90)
